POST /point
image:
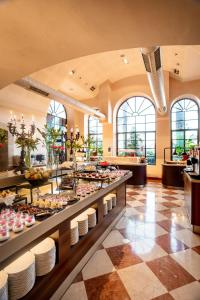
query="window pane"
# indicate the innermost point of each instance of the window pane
(136, 117)
(184, 116)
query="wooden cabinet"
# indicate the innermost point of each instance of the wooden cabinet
(192, 200)
(139, 171)
(172, 175)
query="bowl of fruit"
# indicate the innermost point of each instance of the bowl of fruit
(37, 176)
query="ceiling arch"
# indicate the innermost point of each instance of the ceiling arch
(38, 34)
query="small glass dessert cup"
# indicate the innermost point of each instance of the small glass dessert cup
(30, 220)
(4, 234)
(18, 226)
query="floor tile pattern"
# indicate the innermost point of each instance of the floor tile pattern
(151, 254)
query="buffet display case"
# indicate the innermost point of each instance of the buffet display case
(75, 229)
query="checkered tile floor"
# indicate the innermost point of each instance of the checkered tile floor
(150, 254)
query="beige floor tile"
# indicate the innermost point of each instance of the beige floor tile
(99, 264)
(141, 283)
(76, 292)
(190, 291)
(189, 260)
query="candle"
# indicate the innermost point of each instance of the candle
(11, 116)
(71, 130)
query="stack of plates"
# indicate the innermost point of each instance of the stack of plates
(92, 219)
(105, 208)
(45, 256)
(3, 285)
(114, 199)
(74, 232)
(108, 198)
(82, 220)
(21, 275)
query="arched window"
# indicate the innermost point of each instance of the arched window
(56, 116)
(184, 126)
(95, 132)
(136, 133)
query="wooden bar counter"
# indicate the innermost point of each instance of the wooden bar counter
(192, 201)
(68, 257)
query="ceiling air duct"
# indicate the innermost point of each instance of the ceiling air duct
(152, 62)
(46, 91)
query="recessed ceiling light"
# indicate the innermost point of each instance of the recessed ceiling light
(72, 72)
(71, 89)
(124, 59)
(175, 53)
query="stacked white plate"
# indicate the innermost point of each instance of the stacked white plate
(92, 218)
(3, 285)
(82, 220)
(74, 232)
(105, 208)
(21, 275)
(45, 256)
(114, 199)
(108, 198)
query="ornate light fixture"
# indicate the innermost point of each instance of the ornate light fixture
(22, 134)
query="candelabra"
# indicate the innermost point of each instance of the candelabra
(72, 139)
(22, 135)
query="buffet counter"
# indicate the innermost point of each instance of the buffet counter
(172, 175)
(139, 170)
(192, 200)
(67, 256)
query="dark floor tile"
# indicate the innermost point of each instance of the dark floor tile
(123, 256)
(170, 273)
(170, 244)
(169, 225)
(106, 287)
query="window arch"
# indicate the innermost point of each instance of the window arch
(56, 115)
(184, 125)
(95, 129)
(136, 133)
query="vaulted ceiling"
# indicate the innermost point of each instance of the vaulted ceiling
(37, 34)
(77, 77)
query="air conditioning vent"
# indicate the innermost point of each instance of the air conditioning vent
(157, 59)
(92, 88)
(146, 62)
(38, 91)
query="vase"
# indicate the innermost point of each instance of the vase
(28, 158)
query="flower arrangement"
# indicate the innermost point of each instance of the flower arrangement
(28, 144)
